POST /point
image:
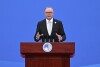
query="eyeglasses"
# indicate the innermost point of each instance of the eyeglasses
(48, 12)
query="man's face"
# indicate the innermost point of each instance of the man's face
(49, 13)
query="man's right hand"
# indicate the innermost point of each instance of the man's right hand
(38, 35)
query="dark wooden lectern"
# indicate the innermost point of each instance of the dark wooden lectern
(58, 57)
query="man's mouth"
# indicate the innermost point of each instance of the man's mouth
(49, 16)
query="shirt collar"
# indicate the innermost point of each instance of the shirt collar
(49, 20)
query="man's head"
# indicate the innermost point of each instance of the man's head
(49, 13)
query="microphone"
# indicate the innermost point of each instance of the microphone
(43, 38)
(46, 39)
(53, 36)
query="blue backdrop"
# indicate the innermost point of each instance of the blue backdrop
(80, 18)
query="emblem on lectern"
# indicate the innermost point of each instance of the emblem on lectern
(47, 47)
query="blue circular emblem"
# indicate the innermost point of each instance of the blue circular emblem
(47, 47)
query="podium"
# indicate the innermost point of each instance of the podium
(59, 56)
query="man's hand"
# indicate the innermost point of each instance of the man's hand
(38, 35)
(59, 37)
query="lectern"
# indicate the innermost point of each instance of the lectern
(59, 56)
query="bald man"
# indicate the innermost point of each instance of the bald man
(50, 29)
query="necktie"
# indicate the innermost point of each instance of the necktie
(49, 27)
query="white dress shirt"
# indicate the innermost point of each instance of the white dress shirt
(49, 24)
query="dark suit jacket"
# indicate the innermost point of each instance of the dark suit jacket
(57, 28)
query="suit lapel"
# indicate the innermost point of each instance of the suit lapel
(53, 27)
(45, 27)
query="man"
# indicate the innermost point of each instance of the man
(50, 29)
